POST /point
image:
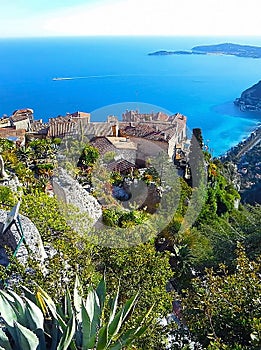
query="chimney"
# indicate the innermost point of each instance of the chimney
(115, 130)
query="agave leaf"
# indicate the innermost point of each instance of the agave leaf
(77, 298)
(28, 294)
(41, 335)
(54, 334)
(34, 315)
(4, 342)
(128, 337)
(60, 312)
(87, 342)
(114, 306)
(116, 324)
(129, 305)
(11, 330)
(89, 304)
(35, 321)
(42, 304)
(101, 292)
(102, 341)
(7, 296)
(96, 321)
(68, 304)
(68, 334)
(19, 306)
(122, 341)
(46, 304)
(120, 317)
(78, 336)
(142, 319)
(42, 296)
(140, 330)
(27, 340)
(6, 309)
(90, 327)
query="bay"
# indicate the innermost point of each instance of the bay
(111, 74)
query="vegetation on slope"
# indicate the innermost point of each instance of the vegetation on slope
(175, 256)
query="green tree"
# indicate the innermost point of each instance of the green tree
(197, 132)
(89, 156)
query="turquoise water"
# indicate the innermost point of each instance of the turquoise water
(118, 70)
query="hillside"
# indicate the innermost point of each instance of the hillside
(218, 49)
(250, 99)
(246, 155)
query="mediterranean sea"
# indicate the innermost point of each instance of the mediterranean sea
(110, 74)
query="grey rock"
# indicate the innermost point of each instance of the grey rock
(71, 192)
(12, 182)
(32, 245)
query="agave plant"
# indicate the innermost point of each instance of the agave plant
(35, 322)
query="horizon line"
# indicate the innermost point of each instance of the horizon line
(134, 36)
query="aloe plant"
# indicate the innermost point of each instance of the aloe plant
(35, 322)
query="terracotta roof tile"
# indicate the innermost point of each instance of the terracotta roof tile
(103, 145)
(120, 165)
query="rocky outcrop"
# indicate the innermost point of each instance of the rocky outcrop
(69, 191)
(250, 99)
(32, 245)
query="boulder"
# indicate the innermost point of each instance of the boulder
(32, 245)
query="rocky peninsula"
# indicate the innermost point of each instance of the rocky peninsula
(218, 49)
(250, 99)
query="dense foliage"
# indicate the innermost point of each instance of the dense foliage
(223, 310)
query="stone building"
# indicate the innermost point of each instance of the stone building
(12, 134)
(22, 118)
(166, 134)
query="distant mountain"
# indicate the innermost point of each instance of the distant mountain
(218, 49)
(250, 99)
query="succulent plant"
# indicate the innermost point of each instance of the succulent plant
(35, 322)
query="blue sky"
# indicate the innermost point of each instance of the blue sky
(25, 18)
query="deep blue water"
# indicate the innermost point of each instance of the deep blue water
(118, 70)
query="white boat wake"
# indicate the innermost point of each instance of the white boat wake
(100, 76)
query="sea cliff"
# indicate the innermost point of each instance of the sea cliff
(250, 99)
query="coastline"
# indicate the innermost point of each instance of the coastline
(190, 85)
(246, 157)
(243, 146)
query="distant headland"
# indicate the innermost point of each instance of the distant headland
(250, 99)
(219, 49)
